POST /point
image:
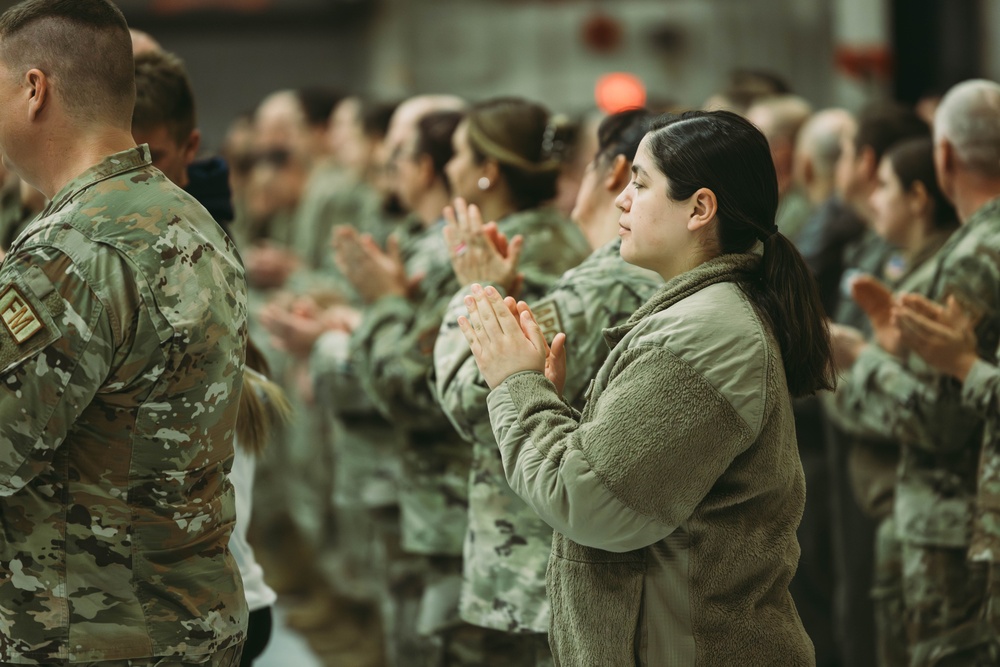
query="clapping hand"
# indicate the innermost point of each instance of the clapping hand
(877, 301)
(944, 336)
(505, 339)
(372, 272)
(480, 253)
(847, 344)
(295, 329)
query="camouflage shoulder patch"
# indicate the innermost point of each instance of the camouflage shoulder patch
(18, 315)
(547, 315)
(26, 323)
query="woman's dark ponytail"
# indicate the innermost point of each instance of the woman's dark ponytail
(725, 153)
(788, 297)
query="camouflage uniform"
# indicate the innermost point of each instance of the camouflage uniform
(507, 546)
(393, 350)
(121, 360)
(872, 466)
(941, 442)
(981, 391)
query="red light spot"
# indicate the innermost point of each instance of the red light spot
(619, 90)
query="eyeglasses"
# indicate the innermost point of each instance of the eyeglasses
(278, 158)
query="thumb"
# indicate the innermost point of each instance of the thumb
(514, 250)
(393, 250)
(533, 332)
(558, 349)
(413, 283)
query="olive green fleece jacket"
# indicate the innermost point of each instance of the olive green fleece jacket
(675, 496)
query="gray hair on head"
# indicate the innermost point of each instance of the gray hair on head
(969, 119)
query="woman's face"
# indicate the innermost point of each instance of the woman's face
(410, 183)
(462, 170)
(892, 205)
(653, 227)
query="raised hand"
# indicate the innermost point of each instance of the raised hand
(555, 354)
(501, 343)
(877, 300)
(372, 272)
(292, 330)
(943, 336)
(480, 252)
(847, 344)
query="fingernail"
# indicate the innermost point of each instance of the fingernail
(491, 291)
(469, 301)
(476, 289)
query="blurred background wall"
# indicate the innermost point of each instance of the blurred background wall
(842, 52)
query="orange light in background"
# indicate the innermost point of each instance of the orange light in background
(619, 90)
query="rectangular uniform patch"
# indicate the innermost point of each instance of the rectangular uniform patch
(18, 316)
(547, 316)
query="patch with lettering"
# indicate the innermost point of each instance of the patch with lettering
(547, 315)
(18, 315)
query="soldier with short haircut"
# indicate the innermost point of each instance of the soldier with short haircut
(122, 338)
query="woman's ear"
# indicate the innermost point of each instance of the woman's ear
(918, 197)
(618, 175)
(425, 167)
(491, 170)
(704, 207)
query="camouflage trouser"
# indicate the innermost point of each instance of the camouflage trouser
(472, 646)
(887, 595)
(229, 657)
(403, 577)
(945, 597)
(992, 610)
(353, 567)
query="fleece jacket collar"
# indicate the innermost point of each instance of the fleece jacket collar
(731, 268)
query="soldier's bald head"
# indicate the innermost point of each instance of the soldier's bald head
(84, 49)
(408, 114)
(968, 118)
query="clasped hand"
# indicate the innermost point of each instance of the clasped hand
(505, 339)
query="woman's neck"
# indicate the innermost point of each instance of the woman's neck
(429, 208)
(495, 209)
(918, 235)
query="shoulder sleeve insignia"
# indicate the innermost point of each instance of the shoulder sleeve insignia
(18, 315)
(547, 315)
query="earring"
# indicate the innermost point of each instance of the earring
(484, 183)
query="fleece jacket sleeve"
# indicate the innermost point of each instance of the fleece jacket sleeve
(635, 467)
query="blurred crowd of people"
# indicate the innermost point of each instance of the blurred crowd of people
(382, 510)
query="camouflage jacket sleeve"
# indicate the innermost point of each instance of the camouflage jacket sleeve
(456, 380)
(882, 397)
(56, 349)
(334, 376)
(981, 390)
(393, 348)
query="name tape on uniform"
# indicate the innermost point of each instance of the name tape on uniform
(547, 316)
(18, 316)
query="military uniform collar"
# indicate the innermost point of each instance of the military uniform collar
(112, 165)
(988, 211)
